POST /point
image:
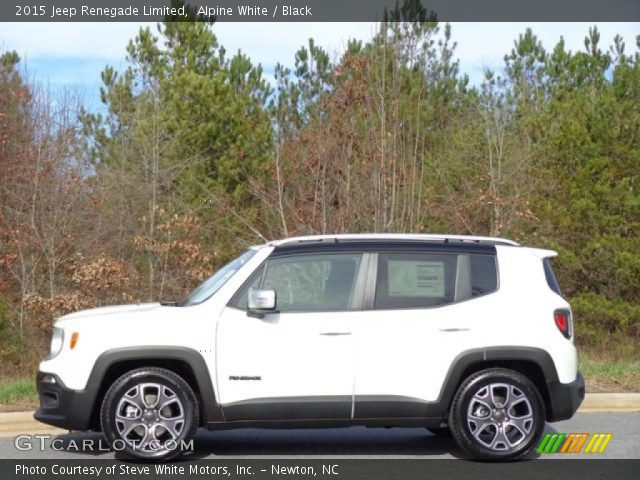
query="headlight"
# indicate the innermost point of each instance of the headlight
(57, 340)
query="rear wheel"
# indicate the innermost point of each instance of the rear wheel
(497, 414)
(149, 413)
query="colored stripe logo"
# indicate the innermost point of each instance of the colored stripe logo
(574, 442)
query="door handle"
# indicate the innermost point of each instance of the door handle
(334, 334)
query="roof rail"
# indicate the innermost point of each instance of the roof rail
(393, 236)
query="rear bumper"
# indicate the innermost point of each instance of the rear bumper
(60, 406)
(565, 398)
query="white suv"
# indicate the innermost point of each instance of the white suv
(468, 334)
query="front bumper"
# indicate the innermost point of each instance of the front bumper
(565, 398)
(61, 406)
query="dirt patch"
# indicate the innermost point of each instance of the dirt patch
(626, 384)
(18, 407)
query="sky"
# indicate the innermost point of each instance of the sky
(74, 54)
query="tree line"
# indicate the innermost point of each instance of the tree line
(195, 155)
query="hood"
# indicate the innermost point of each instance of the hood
(115, 310)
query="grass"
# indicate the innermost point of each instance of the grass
(18, 391)
(604, 375)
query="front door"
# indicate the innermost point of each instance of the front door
(297, 363)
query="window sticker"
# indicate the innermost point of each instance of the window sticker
(409, 278)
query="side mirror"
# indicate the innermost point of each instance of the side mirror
(260, 302)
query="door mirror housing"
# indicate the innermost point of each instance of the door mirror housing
(260, 302)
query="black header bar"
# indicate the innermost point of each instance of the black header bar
(317, 10)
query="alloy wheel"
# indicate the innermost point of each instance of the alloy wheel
(148, 416)
(500, 417)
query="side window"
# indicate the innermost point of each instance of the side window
(415, 280)
(484, 276)
(552, 281)
(312, 282)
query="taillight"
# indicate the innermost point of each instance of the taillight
(563, 321)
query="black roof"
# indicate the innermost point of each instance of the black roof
(381, 244)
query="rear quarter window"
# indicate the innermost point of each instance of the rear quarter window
(484, 275)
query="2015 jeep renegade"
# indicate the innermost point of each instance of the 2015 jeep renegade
(465, 333)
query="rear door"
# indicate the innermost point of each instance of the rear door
(422, 306)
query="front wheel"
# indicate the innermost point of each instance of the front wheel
(497, 414)
(149, 414)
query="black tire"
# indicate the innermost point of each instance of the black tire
(145, 432)
(496, 435)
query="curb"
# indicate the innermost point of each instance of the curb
(13, 422)
(611, 402)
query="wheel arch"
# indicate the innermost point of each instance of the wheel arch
(534, 363)
(186, 362)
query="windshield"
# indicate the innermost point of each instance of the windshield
(212, 284)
